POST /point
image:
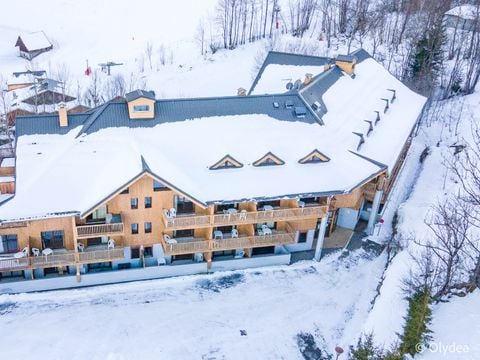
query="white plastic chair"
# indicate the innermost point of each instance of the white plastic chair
(80, 247)
(217, 234)
(243, 215)
(167, 213)
(111, 244)
(35, 252)
(169, 240)
(173, 212)
(234, 233)
(266, 231)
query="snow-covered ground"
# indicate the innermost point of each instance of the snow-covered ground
(197, 317)
(453, 323)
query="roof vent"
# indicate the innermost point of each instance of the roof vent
(316, 106)
(300, 111)
(362, 140)
(289, 104)
(276, 105)
(394, 95)
(370, 126)
(386, 105)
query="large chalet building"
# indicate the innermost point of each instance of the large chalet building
(148, 188)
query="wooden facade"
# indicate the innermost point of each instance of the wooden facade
(141, 222)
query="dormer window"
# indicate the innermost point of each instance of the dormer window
(227, 162)
(141, 104)
(269, 159)
(139, 108)
(314, 157)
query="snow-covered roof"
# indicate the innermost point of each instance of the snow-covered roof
(78, 166)
(351, 105)
(8, 162)
(279, 69)
(467, 11)
(6, 179)
(35, 41)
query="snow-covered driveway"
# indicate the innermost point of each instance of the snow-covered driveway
(197, 317)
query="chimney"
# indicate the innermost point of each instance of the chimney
(308, 79)
(346, 63)
(62, 115)
(241, 92)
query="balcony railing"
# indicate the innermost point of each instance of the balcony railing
(101, 255)
(186, 246)
(86, 231)
(12, 264)
(60, 259)
(249, 217)
(242, 242)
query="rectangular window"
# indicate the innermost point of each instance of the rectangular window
(148, 227)
(148, 251)
(135, 253)
(148, 202)
(138, 108)
(158, 186)
(302, 237)
(184, 206)
(8, 244)
(52, 239)
(183, 233)
(126, 191)
(134, 203)
(134, 228)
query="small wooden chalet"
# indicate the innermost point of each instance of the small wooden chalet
(33, 44)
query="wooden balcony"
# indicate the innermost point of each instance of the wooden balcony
(12, 264)
(186, 246)
(243, 242)
(86, 231)
(250, 217)
(61, 259)
(98, 256)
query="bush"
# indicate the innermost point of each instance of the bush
(416, 329)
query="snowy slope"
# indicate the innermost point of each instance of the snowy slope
(198, 317)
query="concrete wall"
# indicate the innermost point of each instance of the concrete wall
(253, 262)
(347, 218)
(102, 278)
(281, 257)
(302, 246)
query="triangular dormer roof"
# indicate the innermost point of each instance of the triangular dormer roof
(268, 159)
(227, 162)
(314, 157)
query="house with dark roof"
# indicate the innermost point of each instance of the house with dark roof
(180, 186)
(33, 44)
